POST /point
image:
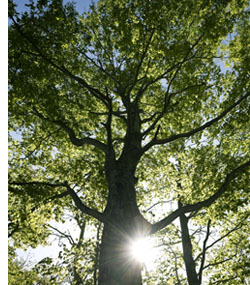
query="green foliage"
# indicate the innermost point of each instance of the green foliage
(18, 274)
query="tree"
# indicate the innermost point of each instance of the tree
(126, 106)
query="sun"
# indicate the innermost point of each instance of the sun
(143, 250)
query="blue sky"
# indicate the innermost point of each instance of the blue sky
(81, 5)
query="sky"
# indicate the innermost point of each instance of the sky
(81, 5)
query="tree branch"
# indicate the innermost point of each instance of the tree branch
(187, 250)
(156, 141)
(140, 64)
(163, 75)
(81, 234)
(108, 126)
(224, 280)
(75, 141)
(48, 200)
(167, 94)
(219, 262)
(94, 213)
(63, 235)
(157, 203)
(204, 251)
(44, 139)
(36, 183)
(99, 95)
(80, 142)
(97, 253)
(197, 206)
(16, 228)
(237, 227)
(100, 67)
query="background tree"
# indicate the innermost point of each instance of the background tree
(128, 105)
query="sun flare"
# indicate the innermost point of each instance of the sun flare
(142, 250)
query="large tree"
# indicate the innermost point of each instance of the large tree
(127, 106)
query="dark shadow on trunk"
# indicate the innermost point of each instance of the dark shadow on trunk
(117, 265)
(187, 251)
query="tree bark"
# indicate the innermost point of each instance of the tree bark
(117, 266)
(125, 223)
(123, 220)
(187, 251)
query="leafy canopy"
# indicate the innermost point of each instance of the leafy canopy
(73, 81)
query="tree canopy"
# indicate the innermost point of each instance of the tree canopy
(116, 114)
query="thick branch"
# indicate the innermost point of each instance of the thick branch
(81, 235)
(94, 213)
(108, 126)
(197, 206)
(204, 251)
(97, 253)
(80, 142)
(76, 141)
(36, 183)
(156, 141)
(188, 251)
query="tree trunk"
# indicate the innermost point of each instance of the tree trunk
(97, 252)
(125, 223)
(187, 252)
(117, 266)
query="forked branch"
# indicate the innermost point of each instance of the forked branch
(168, 95)
(188, 134)
(237, 227)
(75, 141)
(197, 206)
